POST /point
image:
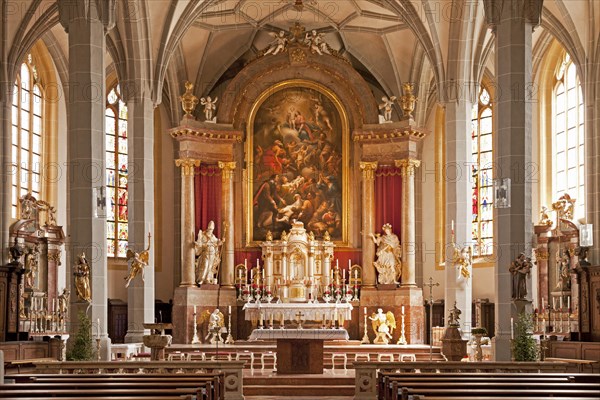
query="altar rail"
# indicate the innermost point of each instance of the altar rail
(366, 372)
(232, 370)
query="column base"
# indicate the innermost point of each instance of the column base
(502, 348)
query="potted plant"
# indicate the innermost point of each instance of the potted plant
(524, 345)
(82, 350)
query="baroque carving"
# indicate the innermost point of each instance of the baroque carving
(187, 165)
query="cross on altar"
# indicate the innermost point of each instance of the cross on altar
(299, 316)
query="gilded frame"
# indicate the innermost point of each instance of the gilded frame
(249, 149)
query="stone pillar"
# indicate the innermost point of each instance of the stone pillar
(368, 222)
(188, 234)
(86, 24)
(227, 262)
(458, 207)
(513, 22)
(140, 294)
(408, 219)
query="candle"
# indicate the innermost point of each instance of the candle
(452, 226)
(337, 263)
(402, 310)
(98, 322)
(194, 310)
(560, 300)
(554, 303)
(261, 319)
(257, 263)
(355, 274)
(512, 328)
(569, 303)
(271, 320)
(229, 310)
(349, 265)
(344, 275)
(543, 308)
(365, 310)
(251, 275)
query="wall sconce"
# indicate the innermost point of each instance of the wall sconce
(99, 201)
(586, 235)
(502, 193)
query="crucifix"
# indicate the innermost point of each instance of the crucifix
(299, 316)
(430, 301)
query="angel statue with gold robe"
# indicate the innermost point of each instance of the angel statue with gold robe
(139, 261)
(216, 326)
(383, 326)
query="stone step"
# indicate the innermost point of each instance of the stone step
(298, 380)
(295, 390)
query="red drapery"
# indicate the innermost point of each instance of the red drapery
(207, 196)
(388, 198)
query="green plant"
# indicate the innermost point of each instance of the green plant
(524, 345)
(479, 331)
(83, 349)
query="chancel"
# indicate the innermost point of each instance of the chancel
(349, 191)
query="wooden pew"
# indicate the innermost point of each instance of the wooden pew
(420, 394)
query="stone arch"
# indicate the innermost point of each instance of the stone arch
(333, 73)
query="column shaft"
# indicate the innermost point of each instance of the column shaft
(408, 220)
(188, 235)
(227, 262)
(368, 222)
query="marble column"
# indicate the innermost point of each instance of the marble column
(227, 262)
(408, 219)
(513, 22)
(458, 207)
(188, 234)
(140, 294)
(368, 222)
(86, 26)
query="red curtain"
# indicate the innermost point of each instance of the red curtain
(388, 198)
(342, 256)
(207, 196)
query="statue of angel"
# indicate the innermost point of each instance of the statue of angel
(139, 261)
(383, 326)
(216, 326)
(278, 44)
(463, 259)
(386, 106)
(210, 107)
(316, 43)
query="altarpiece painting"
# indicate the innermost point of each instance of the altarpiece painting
(297, 145)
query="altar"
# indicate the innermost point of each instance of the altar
(325, 314)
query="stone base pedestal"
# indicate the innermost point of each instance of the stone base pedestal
(204, 298)
(298, 356)
(393, 299)
(453, 346)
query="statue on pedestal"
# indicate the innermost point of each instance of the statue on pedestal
(209, 256)
(520, 269)
(216, 326)
(454, 316)
(383, 326)
(81, 270)
(563, 276)
(31, 266)
(389, 256)
(210, 107)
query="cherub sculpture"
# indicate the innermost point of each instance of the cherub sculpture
(544, 218)
(463, 259)
(383, 326)
(216, 326)
(278, 44)
(139, 261)
(386, 106)
(210, 107)
(316, 43)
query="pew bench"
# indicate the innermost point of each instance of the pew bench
(27, 362)
(420, 394)
(580, 363)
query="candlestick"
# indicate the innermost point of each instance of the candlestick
(560, 301)
(271, 321)
(365, 310)
(569, 303)
(554, 303)
(344, 275)
(229, 309)
(194, 310)
(98, 321)
(365, 338)
(543, 308)
(402, 310)
(512, 329)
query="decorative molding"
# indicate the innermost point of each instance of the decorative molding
(408, 166)
(228, 168)
(368, 169)
(191, 133)
(187, 165)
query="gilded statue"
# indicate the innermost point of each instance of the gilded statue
(408, 100)
(210, 107)
(63, 305)
(216, 326)
(564, 207)
(463, 259)
(27, 206)
(81, 270)
(139, 261)
(209, 256)
(188, 100)
(31, 266)
(386, 106)
(383, 326)
(544, 218)
(389, 256)
(520, 269)
(269, 236)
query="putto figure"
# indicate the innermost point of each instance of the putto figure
(278, 44)
(316, 43)
(139, 261)
(463, 259)
(81, 270)
(386, 106)
(210, 107)
(389, 256)
(209, 256)
(383, 326)
(216, 326)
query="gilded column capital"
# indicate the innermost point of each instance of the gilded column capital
(187, 165)
(408, 166)
(368, 169)
(227, 168)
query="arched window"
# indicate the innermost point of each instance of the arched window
(116, 174)
(568, 136)
(482, 228)
(27, 117)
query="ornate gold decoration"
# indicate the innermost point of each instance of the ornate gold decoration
(187, 165)
(564, 207)
(541, 254)
(32, 208)
(188, 100)
(408, 166)
(54, 256)
(81, 270)
(203, 134)
(298, 55)
(269, 236)
(368, 169)
(361, 136)
(544, 218)
(298, 31)
(227, 168)
(139, 262)
(463, 259)
(408, 100)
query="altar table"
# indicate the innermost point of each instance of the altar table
(299, 351)
(289, 311)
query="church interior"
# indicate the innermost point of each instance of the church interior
(287, 190)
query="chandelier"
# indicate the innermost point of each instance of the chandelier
(299, 4)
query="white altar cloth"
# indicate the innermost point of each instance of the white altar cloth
(310, 311)
(308, 334)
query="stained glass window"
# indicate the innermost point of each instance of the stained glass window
(27, 129)
(116, 175)
(482, 227)
(569, 136)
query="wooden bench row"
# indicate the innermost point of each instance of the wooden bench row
(394, 386)
(127, 386)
